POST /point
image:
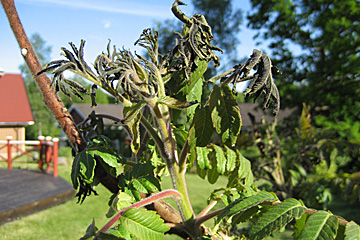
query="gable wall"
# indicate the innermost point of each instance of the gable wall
(18, 133)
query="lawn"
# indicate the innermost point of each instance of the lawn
(70, 220)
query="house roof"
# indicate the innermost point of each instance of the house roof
(80, 111)
(15, 107)
(259, 114)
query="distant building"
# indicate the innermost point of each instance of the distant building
(15, 110)
(255, 110)
(114, 130)
(80, 112)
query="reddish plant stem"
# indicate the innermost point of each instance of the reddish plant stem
(204, 218)
(207, 209)
(142, 203)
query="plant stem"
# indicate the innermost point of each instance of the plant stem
(183, 156)
(207, 209)
(161, 117)
(57, 108)
(204, 218)
(142, 203)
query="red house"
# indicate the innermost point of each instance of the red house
(15, 110)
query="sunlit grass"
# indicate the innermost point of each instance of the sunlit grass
(70, 220)
(65, 221)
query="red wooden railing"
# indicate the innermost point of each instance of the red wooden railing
(47, 148)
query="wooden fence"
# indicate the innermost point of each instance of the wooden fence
(47, 149)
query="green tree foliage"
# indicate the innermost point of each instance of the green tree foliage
(309, 163)
(316, 44)
(149, 87)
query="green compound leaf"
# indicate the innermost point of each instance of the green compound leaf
(121, 201)
(87, 166)
(194, 95)
(299, 225)
(244, 169)
(83, 163)
(231, 159)
(145, 225)
(213, 174)
(241, 205)
(174, 103)
(194, 89)
(242, 173)
(220, 159)
(130, 112)
(352, 231)
(134, 132)
(201, 129)
(225, 114)
(108, 156)
(276, 218)
(320, 225)
(132, 120)
(141, 178)
(202, 159)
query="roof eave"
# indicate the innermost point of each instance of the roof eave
(10, 124)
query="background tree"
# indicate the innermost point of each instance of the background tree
(327, 62)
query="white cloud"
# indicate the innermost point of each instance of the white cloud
(107, 24)
(124, 7)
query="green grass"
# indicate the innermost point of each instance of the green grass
(70, 220)
(65, 221)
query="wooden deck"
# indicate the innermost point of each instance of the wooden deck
(23, 192)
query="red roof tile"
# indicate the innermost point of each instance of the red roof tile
(14, 103)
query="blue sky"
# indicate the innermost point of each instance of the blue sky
(61, 21)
